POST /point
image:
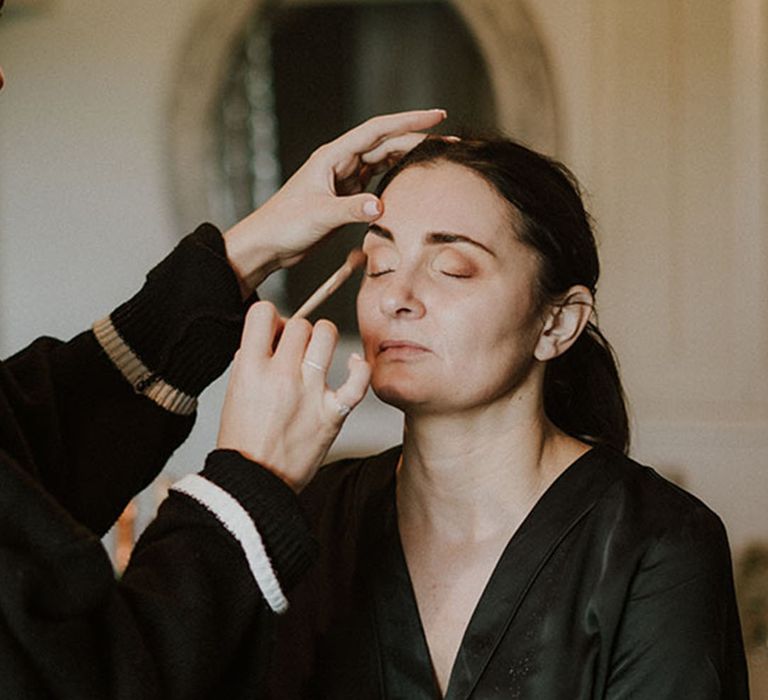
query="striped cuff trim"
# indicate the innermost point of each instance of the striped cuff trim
(138, 374)
(228, 511)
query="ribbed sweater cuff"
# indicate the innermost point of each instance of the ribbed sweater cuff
(185, 323)
(273, 507)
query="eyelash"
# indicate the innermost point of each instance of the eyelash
(447, 274)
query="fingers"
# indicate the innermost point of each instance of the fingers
(371, 133)
(393, 148)
(320, 343)
(351, 393)
(312, 349)
(350, 209)
(293, 342)
(319, 353)
(262, 327)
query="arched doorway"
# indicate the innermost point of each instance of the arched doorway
(504, 36)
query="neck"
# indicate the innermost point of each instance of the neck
(471, 474)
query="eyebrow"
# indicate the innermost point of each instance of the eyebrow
(433, 238)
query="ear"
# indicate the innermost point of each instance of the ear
(563, 323)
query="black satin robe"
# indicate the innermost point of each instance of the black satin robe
(617, 585)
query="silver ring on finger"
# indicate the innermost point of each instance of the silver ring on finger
(313, 365)
(342, 409)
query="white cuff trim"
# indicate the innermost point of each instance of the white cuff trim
(143, 380)
(228, 511)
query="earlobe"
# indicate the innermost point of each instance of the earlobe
(564, 322)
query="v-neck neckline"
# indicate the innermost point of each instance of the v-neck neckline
(405, 661)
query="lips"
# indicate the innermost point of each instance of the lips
(401, 348)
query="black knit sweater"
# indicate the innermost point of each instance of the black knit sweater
(77, 441)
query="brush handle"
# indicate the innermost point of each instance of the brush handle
(353, 261)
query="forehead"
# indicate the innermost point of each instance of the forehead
(445, 196)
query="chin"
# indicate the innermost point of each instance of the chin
(401, 394)
(394, 396)
(409, 389)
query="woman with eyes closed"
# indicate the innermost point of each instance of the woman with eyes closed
(509, 548)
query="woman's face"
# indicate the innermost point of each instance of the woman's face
(447, 308)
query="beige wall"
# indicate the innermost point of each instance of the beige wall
(661, 113)
(665, 121)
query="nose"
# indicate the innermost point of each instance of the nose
(400, 298)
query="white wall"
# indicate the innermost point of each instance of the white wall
(84, 206)
(661, 115)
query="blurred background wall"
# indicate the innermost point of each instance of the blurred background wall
(111, 147)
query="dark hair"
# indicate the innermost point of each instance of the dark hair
(583, 395)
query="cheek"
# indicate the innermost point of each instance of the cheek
(457, 335)
(366, 306)
(500, 337)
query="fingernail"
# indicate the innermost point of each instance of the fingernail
(356, 356)
(371, 207)
(442, 111)
(452, 139)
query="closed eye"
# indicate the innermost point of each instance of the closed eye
(378, 273)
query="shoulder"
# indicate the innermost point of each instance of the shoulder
(644, 506)
(639, 484)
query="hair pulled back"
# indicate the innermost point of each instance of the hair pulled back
(583, 395)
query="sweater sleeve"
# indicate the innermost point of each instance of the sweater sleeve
(93, 439)
(182, 329)
(261, 513)
(186, 610)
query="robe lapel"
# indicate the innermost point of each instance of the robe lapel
(405, 666)
(566, 501)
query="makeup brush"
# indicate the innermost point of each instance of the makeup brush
(355, 259)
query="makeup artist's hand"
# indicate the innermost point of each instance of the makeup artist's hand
(279, 410)
(325, 193)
